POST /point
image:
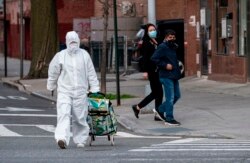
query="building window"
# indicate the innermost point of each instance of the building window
(222, 22)
(223, 3)
(242, 27)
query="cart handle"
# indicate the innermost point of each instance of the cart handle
(97, 93)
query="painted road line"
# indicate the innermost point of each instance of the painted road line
(51, 129)
(183, 150)
(28, 115)
(183, 145)
(204, 144)
(187, 140)
(48, 128)
(24, 125)
(128, 135)
(6, 132)
(13, 98)
(13, 109)
(125, 134)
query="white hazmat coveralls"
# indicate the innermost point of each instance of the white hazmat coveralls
(71, 71)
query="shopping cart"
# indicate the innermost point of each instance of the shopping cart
(101, 117)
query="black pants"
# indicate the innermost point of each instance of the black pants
(156, 91)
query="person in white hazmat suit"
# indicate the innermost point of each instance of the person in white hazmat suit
(72, 73)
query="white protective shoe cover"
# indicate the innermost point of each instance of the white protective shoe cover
(80, 145)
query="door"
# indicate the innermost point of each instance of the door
(178, 26)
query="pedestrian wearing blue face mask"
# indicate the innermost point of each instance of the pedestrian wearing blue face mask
(149, 45)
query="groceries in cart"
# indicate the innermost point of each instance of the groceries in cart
(101, 117)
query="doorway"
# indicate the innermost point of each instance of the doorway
(178, 26)
(248, 41)
(27, 39)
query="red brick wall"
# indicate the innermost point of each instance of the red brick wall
(141, 8)
(192, 44)
(63, 28)
(14, 31)
(229, 67)
(13, 40)
(68, 10)
(169, 9)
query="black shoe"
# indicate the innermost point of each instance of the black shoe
(159, 115)
(172, 123)
(61, 144)
(136, 111)
(157, 118)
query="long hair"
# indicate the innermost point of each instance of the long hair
(145, 27)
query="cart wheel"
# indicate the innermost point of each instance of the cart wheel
(108, 137)
(90, 140)
(112, 139)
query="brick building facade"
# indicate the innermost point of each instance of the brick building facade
(212, 34)
(65, 19)
(215, 36)
(178, 16)
(230, 58)
(85, 16)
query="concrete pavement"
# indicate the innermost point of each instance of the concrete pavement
(207, 108)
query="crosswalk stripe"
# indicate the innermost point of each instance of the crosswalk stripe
(51, 129)
(193, 144)
(182, 150)
(128, 135)
(6, 132)
(187, 140)
(28, 115)
(206, 144)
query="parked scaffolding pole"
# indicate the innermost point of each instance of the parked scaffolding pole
(21, 39)
(125, 47)
(5, 41)
(116, 55)
(151, 11)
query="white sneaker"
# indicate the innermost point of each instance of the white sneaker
(80, 145)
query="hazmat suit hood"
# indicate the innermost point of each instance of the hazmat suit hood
(71, 70)
(72, 42)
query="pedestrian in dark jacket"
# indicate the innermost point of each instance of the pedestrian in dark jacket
(166, 59)
(149, 45)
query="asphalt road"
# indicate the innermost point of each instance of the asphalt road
(26, 135)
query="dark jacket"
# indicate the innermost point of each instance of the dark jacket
(166, 55)
(147, 51)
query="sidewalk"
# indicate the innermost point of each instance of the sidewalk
(207, 108)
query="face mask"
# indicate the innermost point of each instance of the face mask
(172, 44)
(171, 41)
(73, 45)
(152, 34)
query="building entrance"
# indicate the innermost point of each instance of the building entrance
(248, 40)
(178, 26)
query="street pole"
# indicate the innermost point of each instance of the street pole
(21, 39)
(116, 55)
(5, 40)
(151, 12)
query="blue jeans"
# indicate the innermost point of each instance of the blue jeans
(172, 94)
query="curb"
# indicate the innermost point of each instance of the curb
(14, 85)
